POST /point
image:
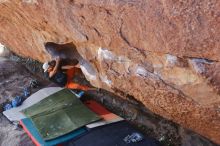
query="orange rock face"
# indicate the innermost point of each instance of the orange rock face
(164, 53)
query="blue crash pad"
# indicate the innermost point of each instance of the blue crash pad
(33, 133)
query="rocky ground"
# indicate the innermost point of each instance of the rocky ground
(11, 135)
(16, 73)
(14, 78)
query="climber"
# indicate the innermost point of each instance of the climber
(62, 71)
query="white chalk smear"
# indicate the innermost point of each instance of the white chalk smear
(141, 71)
(105, 54)
(88, 72)
(30, 1)
(171, 60)
(199, 64)
(105, 80)
(2, 48)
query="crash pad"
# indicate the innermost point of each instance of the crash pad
(115, 134)
(59, 114)
(107, 116)
(15, 114)
(33, 133)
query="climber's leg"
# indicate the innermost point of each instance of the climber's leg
(70, 84)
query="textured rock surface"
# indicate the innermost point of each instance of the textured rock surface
(10, 135)
(13, 78)
(165, 54)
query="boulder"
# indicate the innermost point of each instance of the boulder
(164, 54)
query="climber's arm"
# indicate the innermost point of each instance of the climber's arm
(54, 71)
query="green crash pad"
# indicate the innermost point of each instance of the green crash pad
(59, 114)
